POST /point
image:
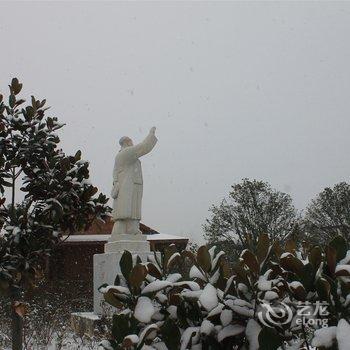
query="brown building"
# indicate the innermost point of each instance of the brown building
(73, 258)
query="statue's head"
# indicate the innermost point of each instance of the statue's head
(125, 141)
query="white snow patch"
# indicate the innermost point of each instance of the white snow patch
(324, 337)
(191, 294)
(186, 337)
(216, 310)
(174, 277)
(196, 273)
(144, 310)
(226, 317)
(252, 332)
(190, 284)
(270, 295)
(264, 284)
(156, 286)
(345, 260)
(343, 331)
(207, 327)
(172, 309)
(119, 289)
(106, 345)
(209, 298)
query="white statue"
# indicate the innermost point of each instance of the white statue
(128, 184)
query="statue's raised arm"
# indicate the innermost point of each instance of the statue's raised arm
(147, 144)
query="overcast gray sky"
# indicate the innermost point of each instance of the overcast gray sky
(258, 90)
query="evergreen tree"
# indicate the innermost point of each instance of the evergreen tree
(58, 198)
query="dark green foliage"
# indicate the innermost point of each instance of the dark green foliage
(269, 339)
(58, 197)
(126, 264)
(214, 306)
(122, 326)
(170, 334)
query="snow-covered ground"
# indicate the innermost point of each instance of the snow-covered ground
(70, 342)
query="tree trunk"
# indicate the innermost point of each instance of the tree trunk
(17, 320)
(17, 324)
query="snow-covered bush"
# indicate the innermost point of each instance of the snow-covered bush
(278, 298)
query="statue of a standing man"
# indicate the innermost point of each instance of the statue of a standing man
(128, 184)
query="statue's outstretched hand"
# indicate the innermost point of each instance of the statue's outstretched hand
(153, 130)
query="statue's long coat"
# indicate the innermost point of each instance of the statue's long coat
(127, 180)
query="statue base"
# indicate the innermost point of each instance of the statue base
(85, 323)
(106, 268)
(133, 243)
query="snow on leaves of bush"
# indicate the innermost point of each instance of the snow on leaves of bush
(324, 337)
(223, 307)
(155, 286)
(144, 310)
(208, 298)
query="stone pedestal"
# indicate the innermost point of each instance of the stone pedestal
(132, 243)
(106, 266)
(85, 323)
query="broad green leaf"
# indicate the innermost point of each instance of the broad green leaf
(307, 276)
(290, 246)
(293, 264)
(262, 247)
(323, 288)
(77, 155)
(137, 275)
(153, 271)
(340, 246)
(125, 264)
(168, 252)
(12, 100)
(203, 258)
(331, 255)
(16, 86)
(251, 261)
(269, 339)
(315, 257)
(111, 299)
(299, 293)
(121, 327)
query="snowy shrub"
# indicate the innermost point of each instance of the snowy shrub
(274, 299)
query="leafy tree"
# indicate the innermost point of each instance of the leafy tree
(57, 195)
(329, 213)
(253, 208)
